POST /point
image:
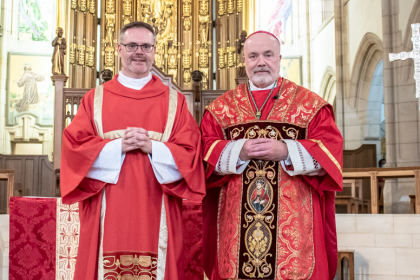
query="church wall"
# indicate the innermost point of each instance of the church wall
(363, 17)
(10, 43)
(405, 7)
(386, 246)
(323, 48)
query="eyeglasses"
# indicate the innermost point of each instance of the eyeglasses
(134, 47)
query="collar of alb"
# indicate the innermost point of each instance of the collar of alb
(255, 88)
(132, 83)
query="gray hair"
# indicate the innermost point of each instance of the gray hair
(136, 24)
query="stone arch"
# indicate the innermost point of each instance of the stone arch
(328, 88)
(368, 56)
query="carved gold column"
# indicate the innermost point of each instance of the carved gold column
(204, 42)
(82, 43)
(127, 11)
(109, 52)
(248, 15)
(186, 43)
(228, 24)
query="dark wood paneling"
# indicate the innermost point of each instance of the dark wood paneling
(34, 176)
(363, 157)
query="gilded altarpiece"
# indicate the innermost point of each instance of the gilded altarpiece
(185, 40)
(183, 30)
(229, 25)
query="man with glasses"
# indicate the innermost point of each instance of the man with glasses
(130, 156)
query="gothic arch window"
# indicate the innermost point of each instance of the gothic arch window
(367, 58)
(328, 88)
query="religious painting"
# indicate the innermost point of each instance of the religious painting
(275, 16)
(260, 195)
(290, 68)
(29, 88)
(35, 20)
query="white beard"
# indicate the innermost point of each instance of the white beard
(262, 81)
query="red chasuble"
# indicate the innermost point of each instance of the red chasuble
(133, 205)
(292, 235)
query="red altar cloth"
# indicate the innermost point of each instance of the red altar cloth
(44, 237)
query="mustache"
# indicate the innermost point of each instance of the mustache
(261, 69)
(142, 57)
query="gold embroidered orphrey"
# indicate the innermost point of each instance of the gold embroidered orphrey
(130, 267)
(258, 218)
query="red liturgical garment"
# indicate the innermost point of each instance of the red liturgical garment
(133, 204)
(289, 232)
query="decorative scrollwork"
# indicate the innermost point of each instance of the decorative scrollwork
(109, 57)
(81, 57)
(291, 132)
(204, 7)
(187, 77)
(83, 5)
(221, 11)
(110, 6)
(90, 56)
(231, 6)
(231, 53)
(239, 6)
(73, 4)
(235, 133)
(172, 61)
(186, 8)
(203, 58)
(72, 54)
(186, 59)
(127, 17)
(187, 23)
(222, 59)
(92, 7)
(257, 132)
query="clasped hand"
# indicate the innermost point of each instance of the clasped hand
(136, 138)
(265, 149)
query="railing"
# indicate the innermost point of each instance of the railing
(72, 98)
(386, 173)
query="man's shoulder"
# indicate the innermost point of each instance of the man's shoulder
(225, 98)
(89, 95)
(304, 94)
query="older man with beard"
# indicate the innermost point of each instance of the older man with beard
(130, 156)
(270, 131)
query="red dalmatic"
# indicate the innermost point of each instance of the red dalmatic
(288, 231)
(133, 204)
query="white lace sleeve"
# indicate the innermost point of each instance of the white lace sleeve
(302, 161)
(229, 161)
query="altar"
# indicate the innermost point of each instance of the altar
(44, 239)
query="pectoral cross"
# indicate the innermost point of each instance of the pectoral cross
(415, 55)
